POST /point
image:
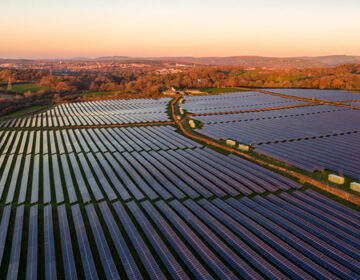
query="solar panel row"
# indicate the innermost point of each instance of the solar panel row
(264, 236)
(152, 174)
(234, 102)
(149, 203)
(271, 114)
(95, 140)
(285, 129)
(320, 94)
(96, 113)
(335, 153)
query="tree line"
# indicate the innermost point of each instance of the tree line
(150, 83)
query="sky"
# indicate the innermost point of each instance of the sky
(93, 28)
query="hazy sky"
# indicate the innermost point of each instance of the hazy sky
(91, 28)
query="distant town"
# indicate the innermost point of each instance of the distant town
(68, 67)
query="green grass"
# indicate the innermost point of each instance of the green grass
(220, 90)
(96, 93)
(24, 111)
(21, 88)
(290, 79)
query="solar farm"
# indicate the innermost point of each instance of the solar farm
(124, 189)
(315, 137)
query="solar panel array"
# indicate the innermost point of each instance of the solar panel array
(320, 94)
(120, 163)
(262, 128)
(299, 235)
(299, 136)
(355, 104)
(96, 113)
(237, 101)
(271, 114)
(147, 202)
(336, 153)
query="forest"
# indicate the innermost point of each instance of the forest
(151, 83)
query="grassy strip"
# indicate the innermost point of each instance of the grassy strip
(96, 93)
(25, 111)
(29, 87)
(221, 90)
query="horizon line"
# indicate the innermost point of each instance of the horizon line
(158, 57)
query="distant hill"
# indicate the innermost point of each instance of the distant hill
(110, 58)
(253, 61)
(243, 61)
(24, 61)
(335, 59)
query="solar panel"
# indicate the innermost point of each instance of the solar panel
(14, 179)
(32, 252)
(204, 252)
(5, 174)
(114, 180)
(136, 177)
(127, 260)
(233, 240)
(49, 245)
(165, 255)
(84, 246)
(46, 179)
(123, 176)
(218, 245)
(4, 226)
(14, 262)
(180, 187)
(66, 246)
(79, 179)
(142, 250)
(102, 246)
(147, 177)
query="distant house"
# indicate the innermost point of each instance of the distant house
(173, 91)
(177, 91)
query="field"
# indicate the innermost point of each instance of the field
(28, 87)
(93, 94)
(28, 110)
(220, 90)
(114, 189)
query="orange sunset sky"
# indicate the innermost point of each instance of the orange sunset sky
(91, 28)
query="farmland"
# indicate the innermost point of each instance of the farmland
(116, 189)
(24, 87)
(94, 94)
(220, 90)
(26, 111)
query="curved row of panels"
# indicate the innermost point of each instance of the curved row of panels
(320, 94)
(302, 235)
(336, 153)
(271, 114)
(235, 102)
(355, 104)
(95, 140)
(96, 113)
(149, 203)
(291, 127)
(309, 137)
(86, 177)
